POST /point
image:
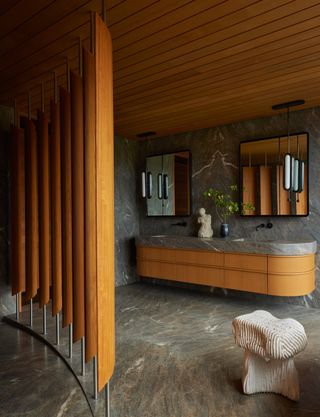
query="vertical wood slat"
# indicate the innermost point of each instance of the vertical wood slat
(90, 205)
(66, 206)
(77, 142)
(105, 203)
(44, 208)
(17, 196)
(32, 211)
(56, 209)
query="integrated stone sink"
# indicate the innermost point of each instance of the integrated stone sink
(238, 244)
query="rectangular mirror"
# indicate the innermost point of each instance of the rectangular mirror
(169, 175)
(274, 176)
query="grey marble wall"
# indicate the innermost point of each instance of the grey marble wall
(7, 304)
(215, 163)
(126, 209)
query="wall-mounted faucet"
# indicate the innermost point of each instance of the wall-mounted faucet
(183, 224)
(269, 225)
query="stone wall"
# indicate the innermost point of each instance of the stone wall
(215, 163)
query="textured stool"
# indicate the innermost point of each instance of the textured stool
(270, 345)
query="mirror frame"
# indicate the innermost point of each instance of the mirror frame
(190, 185)
(308, 177)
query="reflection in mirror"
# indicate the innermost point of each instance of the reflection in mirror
(273, 187)
(171, 178)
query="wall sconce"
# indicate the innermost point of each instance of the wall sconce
(146, 184)
(160, 186)
(165, 187)
(292, 172)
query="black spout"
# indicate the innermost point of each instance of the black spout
(183, 224)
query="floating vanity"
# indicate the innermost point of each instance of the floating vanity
(282, 268)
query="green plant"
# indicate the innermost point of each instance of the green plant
(225, 204)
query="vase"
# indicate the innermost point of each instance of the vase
(224, 230)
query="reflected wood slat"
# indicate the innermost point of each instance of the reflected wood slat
(66, 204)
(56, 209)
(90, 205)
(77, 148)
(32, 211)
(17, 197)
(44, 208)
(105, 203)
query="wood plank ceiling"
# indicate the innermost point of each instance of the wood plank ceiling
(178, 65)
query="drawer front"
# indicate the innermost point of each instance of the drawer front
(246, 281)
(246, 262)
(199, 258)
(156, 254)
(213, 277)
(154, 269)
(290, 264)
(291, 285)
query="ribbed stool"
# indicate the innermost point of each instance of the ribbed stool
(270, 345)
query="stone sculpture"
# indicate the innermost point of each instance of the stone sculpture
(205, 221)
(270, 345)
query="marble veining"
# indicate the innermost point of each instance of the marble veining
(214, 154)
(277, 247)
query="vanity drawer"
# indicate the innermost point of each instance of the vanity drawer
(156, 254)
(246, 262)
(290, 264)
(291, 285)
(155, 269)
(197, 257)
(246, 281)
(214, 277)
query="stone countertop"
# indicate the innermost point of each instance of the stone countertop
(244, 245)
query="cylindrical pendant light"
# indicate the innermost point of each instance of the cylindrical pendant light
(143, 184)
(160, 186)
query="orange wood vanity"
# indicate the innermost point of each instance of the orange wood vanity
(258, 273)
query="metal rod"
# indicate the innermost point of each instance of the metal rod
(42, 96)
(92, 32)
(17, 306)
(104, 12)
(80, 57)
(107, 400)
(15, 118)
(95, 378)
(31, 312)
(83, 354)
(29, 106)
(70, 340)
(68, 75)
(57, 329)
(45, 319)
(55, 86)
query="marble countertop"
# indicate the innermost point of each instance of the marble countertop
(232, 244)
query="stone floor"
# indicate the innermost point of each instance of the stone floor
(175, 358)
(34, 382)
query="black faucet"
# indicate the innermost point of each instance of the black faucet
(183, 224)
(269, 225)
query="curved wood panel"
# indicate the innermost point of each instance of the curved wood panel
(17, 219)
(66, 205)
(77, 142)
(266, 274)
(44, 208)
(290, 264)
(105, 203)
(32, 211)
(56, 210)
(90, 205)
(291, 285)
